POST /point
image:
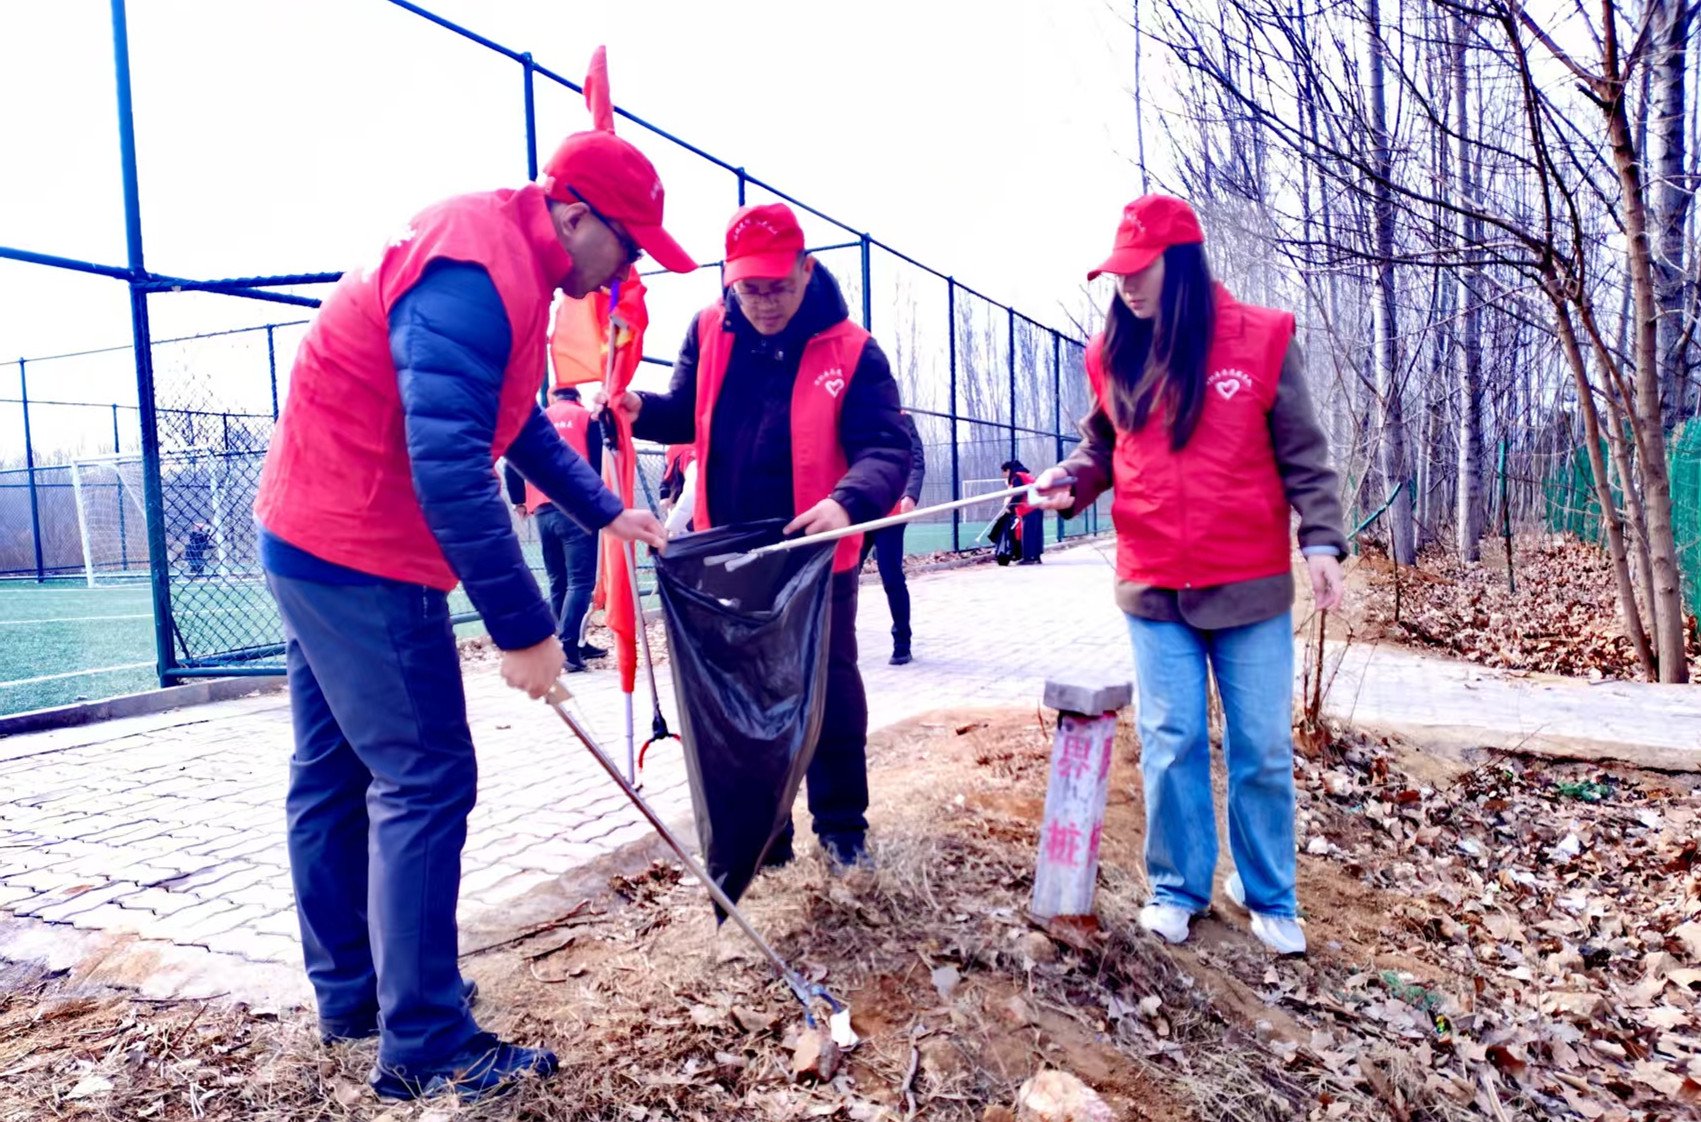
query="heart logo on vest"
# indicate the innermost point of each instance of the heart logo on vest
(832, 380)
(1229, 382)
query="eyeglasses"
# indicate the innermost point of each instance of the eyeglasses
(634, 252)
(779, 294)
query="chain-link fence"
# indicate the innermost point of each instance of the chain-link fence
(1573, 506)
(985, 384)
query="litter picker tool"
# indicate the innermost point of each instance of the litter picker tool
(739, 560)
(809, 994)
(658, 722)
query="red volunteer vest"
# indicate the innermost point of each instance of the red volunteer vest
(571, 420)
(818, 397)
(337, 480)
(1214, 512)
(1023, 509)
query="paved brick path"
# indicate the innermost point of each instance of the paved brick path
(169, 828)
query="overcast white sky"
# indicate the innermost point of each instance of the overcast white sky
(990, 140)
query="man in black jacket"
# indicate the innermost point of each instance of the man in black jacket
(803, 424)
(888, 548)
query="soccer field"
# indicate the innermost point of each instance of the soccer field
(63, 642)
(66, 642)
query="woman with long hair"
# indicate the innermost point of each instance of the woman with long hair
(1204, 430)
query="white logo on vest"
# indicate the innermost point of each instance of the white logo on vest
(1229, 382)
(832, 380)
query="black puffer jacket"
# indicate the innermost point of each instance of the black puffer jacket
(749, 473)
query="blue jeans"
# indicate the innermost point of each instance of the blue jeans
(381, 783)
(1254, 671)
(570, 559)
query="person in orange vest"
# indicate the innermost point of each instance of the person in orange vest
(794, 414)
(678, 487)
(377, 498)
(1204, 431)
(569, 552)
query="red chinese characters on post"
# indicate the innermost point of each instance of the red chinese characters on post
(1074, 756)
(1061, 840)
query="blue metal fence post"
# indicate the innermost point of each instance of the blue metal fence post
(118, 499)
(956, 465)
(142, 339)
(272, 365)
(867, 289)
(531, 117)
(29, 471)
(528, 68)
(1012, 363)
(1057, 410)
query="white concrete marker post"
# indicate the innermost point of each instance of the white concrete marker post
(1066, 876)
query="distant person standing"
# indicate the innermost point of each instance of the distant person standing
(569, 550)
(679, 487)
(1030, 519)
(888, 547)
(195, 548)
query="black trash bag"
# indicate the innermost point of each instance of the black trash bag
(1003, 535)
(748, 647)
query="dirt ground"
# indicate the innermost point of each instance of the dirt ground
(1492, 937)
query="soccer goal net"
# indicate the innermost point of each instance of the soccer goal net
(196, 486)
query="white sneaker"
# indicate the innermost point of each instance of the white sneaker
(1166, 921)
(1281, 934)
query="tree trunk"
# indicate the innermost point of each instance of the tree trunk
(1469, 354)
(1670, 199)
(1667, 602)
(1629, 609)
(1384, 310)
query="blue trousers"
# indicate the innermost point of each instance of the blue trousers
(1254, 671)
(381, 783)
(570, 560)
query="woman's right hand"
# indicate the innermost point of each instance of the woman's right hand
(1056, 491)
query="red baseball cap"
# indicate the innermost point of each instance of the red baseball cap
(762, 242)
(619, 182)
(1150, 224)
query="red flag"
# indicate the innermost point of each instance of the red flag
(597, 97)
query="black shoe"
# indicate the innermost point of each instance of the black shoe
(574, 664)
(900, 657)
(365, 1028)
(486, 1066)
(588, 651)
(847, 851)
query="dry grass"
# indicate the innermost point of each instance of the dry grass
(959, 999)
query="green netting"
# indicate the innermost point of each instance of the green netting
(1686, 508)
(1573, 508)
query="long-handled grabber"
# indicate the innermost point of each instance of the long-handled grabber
(809, 994)
(739, 560)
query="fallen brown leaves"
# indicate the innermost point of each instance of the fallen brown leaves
(1564, 618)
(1512, 940)
(1545, 920)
